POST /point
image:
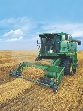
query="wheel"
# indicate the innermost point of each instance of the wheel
(38, 58)
(41, 80)
(67, 63)
(55, 89)
(45, 80)
(18, 73)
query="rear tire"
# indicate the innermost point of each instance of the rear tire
(67, 63)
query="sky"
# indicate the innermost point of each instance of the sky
(21, 21)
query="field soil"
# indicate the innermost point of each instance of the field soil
(17, 94)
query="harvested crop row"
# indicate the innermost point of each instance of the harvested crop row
(33, 73)
(43, 62)
(4, 72)
(13, 89)
(68, 98)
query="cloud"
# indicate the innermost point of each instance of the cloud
(77, 33)
(25, 29)
(23, 23)
(14, 35)
(18, 27)
(63, 27)
(30, 27)
(15, 39)
(17, 32)
(34, 38)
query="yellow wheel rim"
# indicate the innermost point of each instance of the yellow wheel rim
(71, 68)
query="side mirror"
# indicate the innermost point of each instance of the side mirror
(79, 43)
(39, 47)
(37, 41)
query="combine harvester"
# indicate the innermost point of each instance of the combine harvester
(61, 48)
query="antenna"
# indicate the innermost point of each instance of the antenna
(55, 28)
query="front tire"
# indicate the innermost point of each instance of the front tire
(38, 58)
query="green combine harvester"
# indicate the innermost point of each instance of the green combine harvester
(61, 48)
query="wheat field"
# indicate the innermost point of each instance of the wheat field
(17, 94)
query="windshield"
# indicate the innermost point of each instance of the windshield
(49, 43)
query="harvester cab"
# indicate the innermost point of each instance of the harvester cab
(50, 43)
(61, 48)
(56, 43)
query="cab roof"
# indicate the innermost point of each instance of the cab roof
(51, 35)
